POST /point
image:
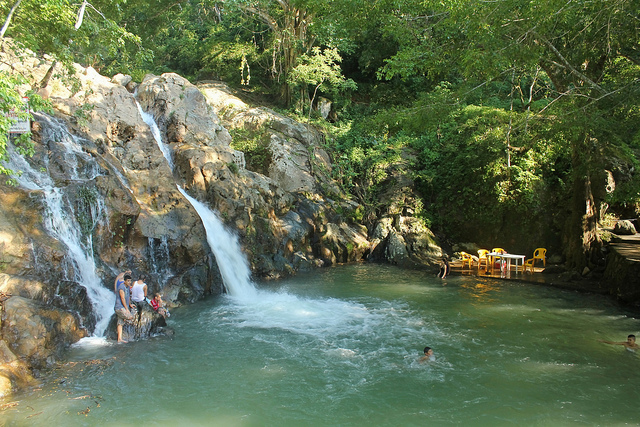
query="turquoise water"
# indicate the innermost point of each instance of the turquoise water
(340, 346)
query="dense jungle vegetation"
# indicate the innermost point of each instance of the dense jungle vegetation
(514, 117)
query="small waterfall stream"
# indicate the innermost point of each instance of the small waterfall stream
(155, 130)
(59, 218)
(225, 246)
(265, 309)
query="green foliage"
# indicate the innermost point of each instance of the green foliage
(11, 101)
(500, 106)
(362, 159)
(233, 167)
(50, 27)
(255, 147)
(83, 113)
(86, 198)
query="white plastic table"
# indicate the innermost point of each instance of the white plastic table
(508, 257)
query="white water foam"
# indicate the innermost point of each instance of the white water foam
(92, 342)
(62, 225)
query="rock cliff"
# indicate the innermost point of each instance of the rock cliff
(101, 195)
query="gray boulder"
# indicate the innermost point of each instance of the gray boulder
(624, 227)
(148, 324)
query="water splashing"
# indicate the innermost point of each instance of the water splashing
(60, 221)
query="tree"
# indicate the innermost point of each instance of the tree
(582, 59)
(290, 22)
(78, 32)
(319, 69)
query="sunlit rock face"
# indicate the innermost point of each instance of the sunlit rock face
(100, 196)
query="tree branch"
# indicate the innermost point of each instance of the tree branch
(8, 20)
(264, 16)
(81, 14)
(566, 63)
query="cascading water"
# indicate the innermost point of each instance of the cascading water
(61, 224)
(262, 308)
(153, 126)
(159, 257)
(224, 245)
(233, 265)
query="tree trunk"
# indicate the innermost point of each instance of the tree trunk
(290, 30)
(581, 236)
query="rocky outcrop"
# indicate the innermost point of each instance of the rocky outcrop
(149, 323)
(38, 333)
(405, 241)
(297, 163)
(100, 195)
(621, 272)
(14, 373)
(625, 228)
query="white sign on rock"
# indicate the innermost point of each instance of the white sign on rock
(20, 125)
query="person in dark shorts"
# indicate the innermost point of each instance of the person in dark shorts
(123, 304)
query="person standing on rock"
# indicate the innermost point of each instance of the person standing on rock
(120, 278)
(139, 294)
(123, 303)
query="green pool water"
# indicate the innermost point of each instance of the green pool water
(340, 346)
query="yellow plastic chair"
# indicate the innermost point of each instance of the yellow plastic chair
(528, 264)
(540, 253)
(493, 259)
(482, 256)
(466, 259)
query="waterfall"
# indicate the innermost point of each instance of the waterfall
(59, 219)
(66, 229)
(231, 261)
(159, 256)
(153, 126)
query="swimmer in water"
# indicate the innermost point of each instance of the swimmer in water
(444, 267)
(428, 355)
(630, 343)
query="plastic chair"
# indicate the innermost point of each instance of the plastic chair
(493, 259)
(466, 259)
(482, 256)
(540, 253)
(528, 264)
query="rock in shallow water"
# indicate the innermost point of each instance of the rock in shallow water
(149, 324)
